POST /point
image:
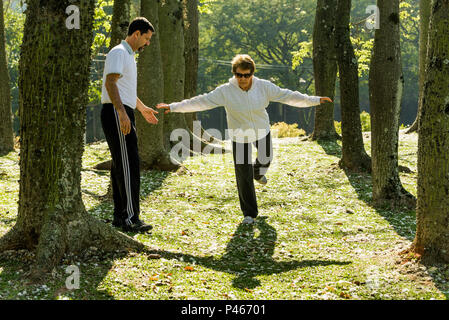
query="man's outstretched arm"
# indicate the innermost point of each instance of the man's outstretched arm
(147, 113)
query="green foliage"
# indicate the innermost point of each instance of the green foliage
(102, 25)
(363, 50)
(100, 45)
(365, 121)
(259, 27)
(284, 130)
(14, 22)
(267, 30)
(337, 125)
(305, 51)
(363, 40)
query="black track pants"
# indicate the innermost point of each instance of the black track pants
(125, 170)
(246, 171)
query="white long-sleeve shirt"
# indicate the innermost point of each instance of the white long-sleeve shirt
(246, 113)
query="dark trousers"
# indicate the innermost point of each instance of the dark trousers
(125, 169)
(246, 171)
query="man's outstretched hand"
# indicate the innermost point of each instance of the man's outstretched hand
(164, 106)
(149, 115)
(325, 99)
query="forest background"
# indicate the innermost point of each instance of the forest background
(276, 33)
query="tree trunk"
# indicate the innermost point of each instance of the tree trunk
(424, 18)
(120, 22)
(53, 81)
(325, 68)
(6, 131)
(191, 56)
(119, 31)
(354, 156)
(191, 53)
(432, 229)
(150, 90)
(386, 84)
(173, 65)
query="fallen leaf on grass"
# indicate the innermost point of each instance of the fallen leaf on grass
(189, 268)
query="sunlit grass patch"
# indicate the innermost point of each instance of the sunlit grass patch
(317, 235)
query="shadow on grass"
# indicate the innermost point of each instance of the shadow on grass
(331, 147)
(248, 256)
(401, 218)
(362, 184)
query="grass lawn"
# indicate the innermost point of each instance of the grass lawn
(317, 235)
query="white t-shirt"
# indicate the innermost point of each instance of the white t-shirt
(121, 60)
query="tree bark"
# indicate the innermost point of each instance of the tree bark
(191, 56)
(53, 81)
(120, 22)
(173, 65)
(386, 84)
(6, 130)
(424, 18)
(432, 229)
(325, 68)
(150, 89)
(354, 156)
(119, 31)
(191, 53)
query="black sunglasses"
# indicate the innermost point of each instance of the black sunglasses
(241, 75)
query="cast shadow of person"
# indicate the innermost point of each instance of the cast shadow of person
(248, 256)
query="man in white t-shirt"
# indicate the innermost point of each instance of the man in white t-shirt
(119, 99)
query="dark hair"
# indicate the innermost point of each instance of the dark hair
(140, 24)
(244, 62)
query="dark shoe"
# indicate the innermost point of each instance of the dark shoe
(138, 226)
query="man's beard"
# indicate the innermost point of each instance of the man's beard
(141, 49)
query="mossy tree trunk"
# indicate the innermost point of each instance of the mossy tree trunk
(6, 131)
(354, 156)
(432, 229)
(191, 53)
(191, 58)
(424, 18)
(173, 64)
(120, 22)
(119, 30)
(325, 68)
(150, 89)
(386, 84)
(53, 81)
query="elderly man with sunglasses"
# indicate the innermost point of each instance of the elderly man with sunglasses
(245, 98)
